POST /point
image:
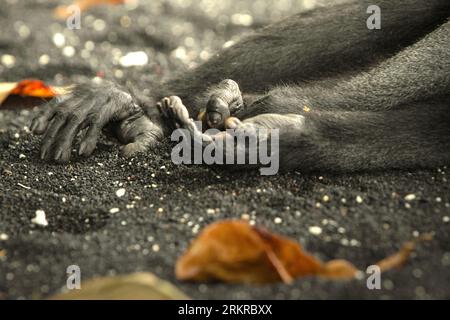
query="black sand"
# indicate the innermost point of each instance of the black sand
(82, 230)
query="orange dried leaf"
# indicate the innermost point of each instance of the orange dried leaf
(338, 269)
(399, 258)
(30, 88)
(33, 88)
(62, 12)
(234, 251)
(5, 90)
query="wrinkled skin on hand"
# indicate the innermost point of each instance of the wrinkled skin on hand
(91, 108)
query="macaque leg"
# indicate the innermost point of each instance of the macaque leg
(242, 139)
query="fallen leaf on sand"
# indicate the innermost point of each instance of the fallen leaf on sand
(5, 90)
(62, 12)
(2, 253)
(234, 251)
(399, 258)
(29, 88)
(135, 286)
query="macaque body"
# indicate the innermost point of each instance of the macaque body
(343, 96)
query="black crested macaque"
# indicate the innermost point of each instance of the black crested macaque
(344, 97)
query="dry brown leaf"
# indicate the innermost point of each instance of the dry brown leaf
(135, 286)
(62, 12)
(2, 253)
(338, 269)
(234, 251)
(29, 88)
(5, 90)
(33, 88)
(399, 258)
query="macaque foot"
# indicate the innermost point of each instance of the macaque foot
(173, 109)
(225, 99)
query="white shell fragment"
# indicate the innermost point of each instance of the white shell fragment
(40, 218)
(137, 58)
(120, 192)
(315, 230)
(114, 210)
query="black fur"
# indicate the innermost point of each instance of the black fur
(371, 99)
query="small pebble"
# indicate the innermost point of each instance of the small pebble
(4, 236)
(40, 218)
(120, 192)
(315, 230)
(277, 220)
(446, 219)
(8, 60)
(359, 199)
(114, 210)
(138, 58)
(59, 40)
(410, 197)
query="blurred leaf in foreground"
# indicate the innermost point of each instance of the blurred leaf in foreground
(234, 251)
(135, 286)
(62, 12)
(29, 88)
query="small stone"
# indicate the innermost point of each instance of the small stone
(40, 218)
(410, 197)
(315, 230)
(359, 199)
(59, 40)
(446, 219)
(22, 156)
(120, 192)
(114, 210)
(8, 60)
(277, 220)
(138, 58)
(44, 59)
(326, 198)
(210, 211)
(4, 236)
(155, 248)
(68, 51)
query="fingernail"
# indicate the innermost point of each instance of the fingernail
(82, 148)
(58, 155)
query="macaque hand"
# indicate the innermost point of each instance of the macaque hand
(92, 107)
